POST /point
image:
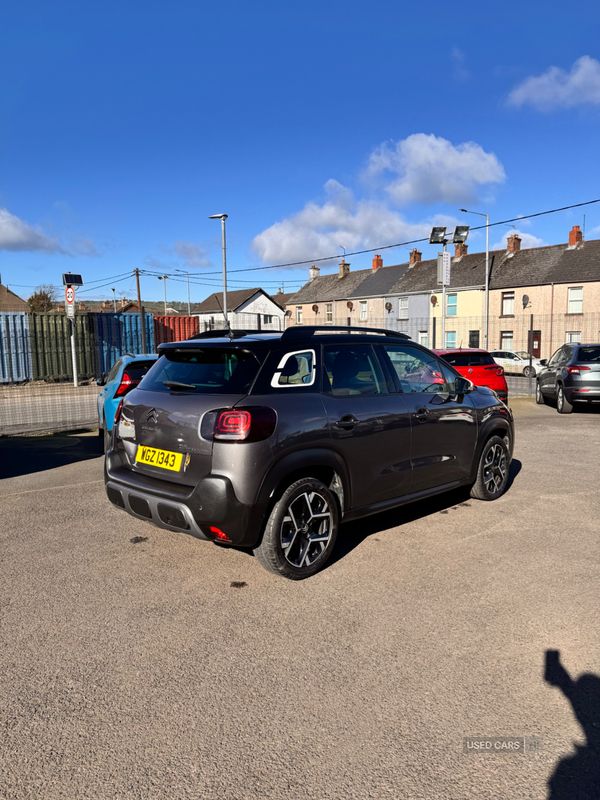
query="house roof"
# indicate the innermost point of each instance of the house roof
(214, 303)
(282, 298)
(379, 282)
(329, 287)
(9, 301)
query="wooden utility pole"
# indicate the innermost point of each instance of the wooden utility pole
(141, 310)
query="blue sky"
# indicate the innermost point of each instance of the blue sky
(314, 126)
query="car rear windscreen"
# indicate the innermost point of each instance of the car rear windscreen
(137, 369)
(468, 359)
(213, 370)
(589, 354)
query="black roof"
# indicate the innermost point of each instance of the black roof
(380, 281)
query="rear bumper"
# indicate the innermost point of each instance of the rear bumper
(583, 394)
(211, 503)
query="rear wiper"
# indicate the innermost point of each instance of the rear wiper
(178, 385)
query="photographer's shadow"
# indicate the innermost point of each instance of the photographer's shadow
(577, 777)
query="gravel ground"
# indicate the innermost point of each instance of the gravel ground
(171, 668)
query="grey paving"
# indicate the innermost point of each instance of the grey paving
(138, 670)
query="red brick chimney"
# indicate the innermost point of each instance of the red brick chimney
(575, 236)
(377, 262)
(344, 268)
(513, 243)
(415, 257)
(460, 249)
(123, 301)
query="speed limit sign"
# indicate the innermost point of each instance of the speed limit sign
(70, 298)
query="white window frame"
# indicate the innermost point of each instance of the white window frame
(575, 304)
(363, 309)
(508, 304)
(504, 339)
(298, 315)
(449, 344)
(329, 312)
(403, 308)
(275, 379)
(454, 305)
(424, 335)
(573, 337)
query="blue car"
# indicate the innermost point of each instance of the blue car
(125, 375)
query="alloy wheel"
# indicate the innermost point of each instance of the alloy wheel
(560, 398)
(494, 469)
(306, 529)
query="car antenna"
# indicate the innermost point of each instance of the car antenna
(229, 331)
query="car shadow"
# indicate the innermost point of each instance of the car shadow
(352, 534)
(24, 455)
(577, 777)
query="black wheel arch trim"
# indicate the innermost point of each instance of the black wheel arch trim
(488, 428)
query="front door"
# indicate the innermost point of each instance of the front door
(444, 424)
(535, 343)
(369, 424)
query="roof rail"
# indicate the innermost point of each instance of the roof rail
(225, 333)
(304, 331)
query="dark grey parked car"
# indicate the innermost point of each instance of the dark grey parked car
(571, 376)
(269, 441)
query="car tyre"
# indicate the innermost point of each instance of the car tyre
(492, 471)
(562, 404)
(539, 395)
(529, 371)
(301, 531)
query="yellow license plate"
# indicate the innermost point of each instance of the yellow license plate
(159, 458)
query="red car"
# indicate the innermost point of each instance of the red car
(478, 366)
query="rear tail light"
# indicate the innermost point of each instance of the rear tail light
(576, 370)
(244, 424)
(118, 412)
(500, 371)
(126, 385)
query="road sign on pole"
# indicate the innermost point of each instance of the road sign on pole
(70, 303)
(444, 261)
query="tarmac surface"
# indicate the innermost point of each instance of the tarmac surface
(139, 663)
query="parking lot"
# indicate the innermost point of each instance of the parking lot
(139, 663)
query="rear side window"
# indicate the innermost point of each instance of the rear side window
(213, 370)
(468, 359)
(295, 369)
(587, 355)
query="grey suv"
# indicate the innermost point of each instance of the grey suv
(571, 376)
(269, 441)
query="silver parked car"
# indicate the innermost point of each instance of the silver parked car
(571, 376)
(517, 361)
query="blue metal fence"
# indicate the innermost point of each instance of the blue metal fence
(117, 334)
(15, 351)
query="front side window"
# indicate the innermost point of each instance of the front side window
(573, 336)
(508, 304)
(555, 358)
(295, 369)
(363, 309)
(506, 340)
(450, 338)
(329, 312)
(575, 300)
(352, 370)
(403, 308)
(451, 303)
(416, 370)
(298, 315)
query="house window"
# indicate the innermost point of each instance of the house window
(451, 305)
(506, 340)
(473, 338)
(573, 336)
(508, 304)
(363, 309)
(451, 338)
(329, 312)
(576, 300)
(403, 308)
(298, 315)
(268, 318)
(424, 338)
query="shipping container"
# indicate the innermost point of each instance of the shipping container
(15, 349)
(174, 328)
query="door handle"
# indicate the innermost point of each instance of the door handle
(422, 414)
(347, 421)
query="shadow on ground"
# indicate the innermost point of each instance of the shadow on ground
(23, 455)
(577, 777)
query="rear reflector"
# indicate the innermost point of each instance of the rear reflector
(118, 412)
(218, 534)
(576, 370)
(244, 424)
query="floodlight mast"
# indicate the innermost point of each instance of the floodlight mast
(487, 271)
(223, 217)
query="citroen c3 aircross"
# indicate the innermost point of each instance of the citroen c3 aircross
(270, 441)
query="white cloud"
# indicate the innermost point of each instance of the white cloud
(527, 240)
(84, 246)
(16, 235)
(320, 230)
(430, 169)
(192, 254)
(557, 88)
(460, 71)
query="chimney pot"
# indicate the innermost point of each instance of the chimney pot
(513, 243)
(344, 268)
(377, 263)
(123, 301)
(314, 272)
(415, 257)
(575, 236)
(460, 249)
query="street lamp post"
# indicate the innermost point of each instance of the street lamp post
(223, 217)
(487, 272)
(164, 278)
(188, 287)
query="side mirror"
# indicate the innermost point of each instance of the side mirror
(101, 381)
(463, 386)
(544, 362)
